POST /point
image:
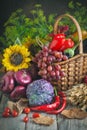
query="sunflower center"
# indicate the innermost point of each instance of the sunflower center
(16, 58)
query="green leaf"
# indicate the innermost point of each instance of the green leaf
(71, 5)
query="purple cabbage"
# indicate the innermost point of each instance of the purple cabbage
(39, 92)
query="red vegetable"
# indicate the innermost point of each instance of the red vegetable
(26, 110)
(5, 114)
(47, 107)
(7, 82)
(60, 43)
(18, 92)
(25, 119)
(68, 44)
(7, 110)
(14, 113)
(62, 107)
(57, 42)
(35, 115)
(23, 77)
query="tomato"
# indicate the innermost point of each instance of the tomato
(25, 119)
(5, 114)
(26, 110)
(14, 113)
(35, 115)
(7, 110)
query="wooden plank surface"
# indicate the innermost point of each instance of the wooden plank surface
(60, 122)
(18, 124)
(32, 126)
(71, 124)
(12, 123)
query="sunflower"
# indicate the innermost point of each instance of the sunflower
(16, 57)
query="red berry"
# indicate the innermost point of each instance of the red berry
(14, 113)
(5, 114)
(25, 119)
(7, 110)
(26, 110)
(35, 115)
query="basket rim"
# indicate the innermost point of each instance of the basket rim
(71, 59)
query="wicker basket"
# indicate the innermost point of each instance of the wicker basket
(75, 68)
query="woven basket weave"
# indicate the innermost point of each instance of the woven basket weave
(75, 68)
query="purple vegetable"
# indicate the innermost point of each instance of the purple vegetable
(39, 92)
(8, 85)
(18, 92)
(22, 77)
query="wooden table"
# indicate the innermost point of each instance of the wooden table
(60, 123)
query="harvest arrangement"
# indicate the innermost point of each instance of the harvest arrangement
(43, 82)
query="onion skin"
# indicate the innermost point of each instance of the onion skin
(8, 84)
(11, 83)
(11, 73)
(22, 77)
(18, 92)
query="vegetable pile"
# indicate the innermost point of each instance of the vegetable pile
(14, 83)
(30, 77)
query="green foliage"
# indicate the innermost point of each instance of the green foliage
(20, 26)
(79, 12)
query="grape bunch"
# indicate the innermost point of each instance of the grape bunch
(46, 60)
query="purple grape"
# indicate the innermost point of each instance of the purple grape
(53, 73)
(46, 59)
(44, 64)
(45, 49)
(49, 68)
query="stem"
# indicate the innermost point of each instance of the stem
(55, 90)
(39, 42)
(75, 46)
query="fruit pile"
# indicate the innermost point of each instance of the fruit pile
(46, 59)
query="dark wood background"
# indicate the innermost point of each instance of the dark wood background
(49, 6)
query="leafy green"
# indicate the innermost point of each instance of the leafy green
(79, 12)
(21, 26)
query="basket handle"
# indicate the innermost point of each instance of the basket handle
(77, 26)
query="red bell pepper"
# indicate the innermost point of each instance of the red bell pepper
(60, 43)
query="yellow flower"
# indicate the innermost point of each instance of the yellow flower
(16, 57)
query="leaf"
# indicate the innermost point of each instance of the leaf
(71, 5)
(74, 113)
(38, 5)
(78, 4)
